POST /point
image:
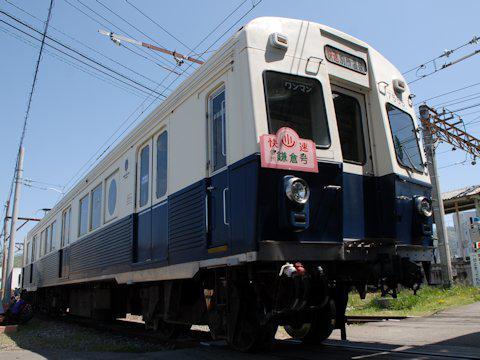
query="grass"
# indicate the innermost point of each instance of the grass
(428, 300)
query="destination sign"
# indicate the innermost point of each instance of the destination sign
(345, 59)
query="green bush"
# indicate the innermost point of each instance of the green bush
(428, 300)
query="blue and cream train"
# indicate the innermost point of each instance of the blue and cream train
(180, 222)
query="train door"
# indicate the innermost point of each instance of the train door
(144, 202)
(218, 191)
(350, 111)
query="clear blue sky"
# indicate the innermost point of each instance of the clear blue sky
(74, 113)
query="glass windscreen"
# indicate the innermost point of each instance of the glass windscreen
(404, 138)
(296, 102)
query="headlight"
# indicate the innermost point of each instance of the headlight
(423, 206)
(297, 190)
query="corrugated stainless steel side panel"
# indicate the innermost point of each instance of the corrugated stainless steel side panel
(186, 215)
(26, 275)
(107, 248)
(49, 269)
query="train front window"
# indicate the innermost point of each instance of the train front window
(296, 102)
(404, 138)
(349, 123)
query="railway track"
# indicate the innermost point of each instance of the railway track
(359, 319)
(282, 349)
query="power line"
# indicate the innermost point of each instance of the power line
(465, 108)
(82, 43)
(162, 58)
(79, 173)
(444, 66)
(455, 100)
(72, 64)
(446, 53)
(449, 92)
(79, 60)
(159, 26)
(147, 56)
(77, 53)
(131, 25)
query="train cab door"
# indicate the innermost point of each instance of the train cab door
(143, 250)
(218, 216)
(351, 115)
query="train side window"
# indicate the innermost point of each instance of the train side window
(110, 206)
(48, 239)
(112, 197)
(53, 235)
(404, 138)
(42, 243)
(29, 253)
(96, 209)
(65, 235)
(83, 216)
(144, 175)
(162, 163)
(349, 123)
(217, 115)
(34, 248)
(296, 102)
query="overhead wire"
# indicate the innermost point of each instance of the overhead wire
(163, 59)
(160, 26)
(72, 64)
(445, 66)
(448, 93)
(148, 55)
(79, 173)
(83, 43)
(446, 53)
(132, 26)
(457, 100)
(73, 50)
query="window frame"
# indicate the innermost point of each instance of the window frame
(47, 238)
(79, 232)
(107, 217)
(362, 119)
(91, 206)
(156, 158)
(325, 113)
(403, 166)
(52, 226)
(221, 88)
(65, 233)
(42, 243)
(147, 202)
(34, 240)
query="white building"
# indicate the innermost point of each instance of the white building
(467, 230)
(17, 281)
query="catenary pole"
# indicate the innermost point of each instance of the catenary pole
(13, 228)
(437, 203)
(5, 246)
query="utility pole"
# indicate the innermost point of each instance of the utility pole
(437, 203)
(4, 254)
(13, 229)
